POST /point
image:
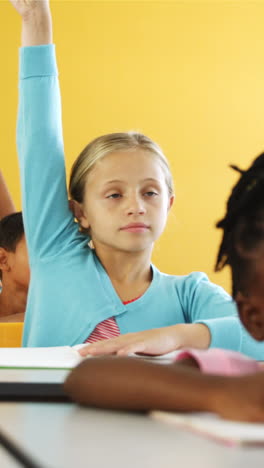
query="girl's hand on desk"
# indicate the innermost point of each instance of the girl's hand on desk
(154, 342)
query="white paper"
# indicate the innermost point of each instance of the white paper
(63, 357)
(51, 357)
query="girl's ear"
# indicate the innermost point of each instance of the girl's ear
(171, 201)
(78, 213)
(251, 314)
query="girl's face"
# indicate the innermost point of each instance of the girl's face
(126, 201)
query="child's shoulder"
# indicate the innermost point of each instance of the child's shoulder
(194, 282)
(194, 277)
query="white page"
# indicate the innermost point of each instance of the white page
(58, 357)
(50, 357)
(211, 425)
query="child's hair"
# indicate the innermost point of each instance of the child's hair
(11, 232)
(106, 144)
(243, 226)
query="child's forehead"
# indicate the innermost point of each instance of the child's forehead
(128, 155)
(130, 163)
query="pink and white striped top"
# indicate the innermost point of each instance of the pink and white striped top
(106, 329)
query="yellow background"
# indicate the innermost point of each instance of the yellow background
(189, 74)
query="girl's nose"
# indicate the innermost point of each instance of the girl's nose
(135, 206)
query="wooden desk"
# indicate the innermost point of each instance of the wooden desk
(68, 436)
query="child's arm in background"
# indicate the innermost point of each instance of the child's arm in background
(134, 384)
(7, 205)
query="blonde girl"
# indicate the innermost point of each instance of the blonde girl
(94, 279)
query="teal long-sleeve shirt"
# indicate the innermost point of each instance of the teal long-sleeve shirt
(70, 292)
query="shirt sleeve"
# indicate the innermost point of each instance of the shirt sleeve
(48, 221)
(221, 362)
(207, 303)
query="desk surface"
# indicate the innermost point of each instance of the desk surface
(65, 436)
(7, 461)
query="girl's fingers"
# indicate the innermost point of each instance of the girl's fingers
(102, 347)
(139, 347)
(123, 345)
(84, 351)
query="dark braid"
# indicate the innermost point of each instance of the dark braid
(243, 225)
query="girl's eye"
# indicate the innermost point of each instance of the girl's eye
(114, 195)
(151, 194)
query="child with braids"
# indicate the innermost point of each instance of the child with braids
(225, 382)
(99, 282)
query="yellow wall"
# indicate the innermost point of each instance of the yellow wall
(188, 74)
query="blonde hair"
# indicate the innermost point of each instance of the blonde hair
(107, 144)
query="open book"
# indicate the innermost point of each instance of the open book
(36, 374)
(57, 357)
(208, 424)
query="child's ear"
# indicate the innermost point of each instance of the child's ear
(4, 260)
(171, 201)
(78, 213)
(251, 314)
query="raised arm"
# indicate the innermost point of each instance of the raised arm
(49, 224)
(6, 203)
(36, 21)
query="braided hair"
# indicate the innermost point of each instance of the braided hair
(243, 226)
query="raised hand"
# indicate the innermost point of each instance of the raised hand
(36, 21)
(24, 7)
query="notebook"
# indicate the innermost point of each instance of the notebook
(210, 425)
